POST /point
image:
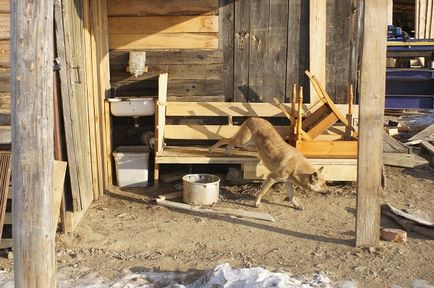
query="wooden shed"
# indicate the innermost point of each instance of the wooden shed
(245, 51)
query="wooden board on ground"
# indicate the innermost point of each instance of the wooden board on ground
(391, 145)
(404, 160)
(216, 210)
(425, 134)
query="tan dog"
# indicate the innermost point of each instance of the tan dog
(285, 163)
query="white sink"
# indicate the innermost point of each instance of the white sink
(132, 106)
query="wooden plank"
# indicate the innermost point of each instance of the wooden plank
(242, 50)
(227, 42)
(5, 176)
(317, 43)
(59, 170)
(91, 75)
(163, 24)
(170, 7)
(74, 100)
(193, 87)
(4, 53)
(108, 159)
(391, 145)
(295, 38)
(176, 72)
(119, 59)
(208, 132)
(334, 169)
(216, 210)
(404, 160)
(160, 116)
(328, 149)
(223, 109)
(276, 50)
(163, 41)
(429, 149)
(339, 49)
(5, 84)
(259, 17)
(5, 29)
(372, 94)
(197, 98)
(5, 101)
(33, 143)
(425, 134)
(4, 6)
(322, 125)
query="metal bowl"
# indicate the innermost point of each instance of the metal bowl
(201, 189)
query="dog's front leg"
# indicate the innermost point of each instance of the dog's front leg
(291, 197)
(269, 181)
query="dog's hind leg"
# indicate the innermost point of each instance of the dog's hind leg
(291, 197)
(269, 181)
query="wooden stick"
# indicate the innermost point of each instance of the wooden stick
(300, 114)
(350, 99)
(221, 211)
(293, 99)
(172, 195)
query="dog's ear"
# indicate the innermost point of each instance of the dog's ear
(314, 177)
(320, 169)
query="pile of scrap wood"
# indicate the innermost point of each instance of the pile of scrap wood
(408, 141)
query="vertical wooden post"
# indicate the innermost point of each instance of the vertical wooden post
(371, 115)
(317, 43)
(32, 142)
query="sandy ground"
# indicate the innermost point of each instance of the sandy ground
(127, 230)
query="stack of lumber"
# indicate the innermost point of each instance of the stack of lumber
(425, 19)
(5, 89)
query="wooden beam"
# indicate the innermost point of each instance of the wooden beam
(371, 115)
(163, 24)
(164, 41)
(32, 122)
(318, 43)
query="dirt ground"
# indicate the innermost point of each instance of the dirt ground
(127, 230)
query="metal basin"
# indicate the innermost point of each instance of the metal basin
(132, 106)
(201, 189)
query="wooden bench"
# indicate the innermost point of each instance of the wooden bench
(182, 125)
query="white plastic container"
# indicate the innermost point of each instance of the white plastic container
(131, 165)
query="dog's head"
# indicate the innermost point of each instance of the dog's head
(316, 182)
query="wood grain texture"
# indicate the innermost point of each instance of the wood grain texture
(194, 87)
(5, 27)
(176, 72)
(4, 6)
(163, 7)
(162, 24)
(5, 86)
(318, 41)
(5, 176)
(119, 59)
(32, 122)
(227, 42)
(163, 41)
(339, 36)
(371, 123)
(241, 50)
(4, 53)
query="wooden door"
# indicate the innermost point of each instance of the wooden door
(69, 36)
(260, 50)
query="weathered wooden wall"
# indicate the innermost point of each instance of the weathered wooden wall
(180, 37)
(5, 96)
(265, 47)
